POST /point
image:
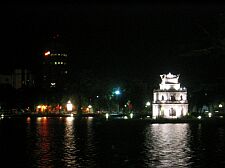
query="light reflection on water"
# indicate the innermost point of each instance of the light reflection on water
(79, 150)
(166, 145)
(70, 142)
(43, 143)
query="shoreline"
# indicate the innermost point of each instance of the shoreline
(121, 118)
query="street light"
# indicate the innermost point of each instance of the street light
(117, 93)
(147, 104)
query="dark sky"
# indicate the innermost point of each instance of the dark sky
(116, 39)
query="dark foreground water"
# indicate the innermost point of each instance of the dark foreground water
(67, 142)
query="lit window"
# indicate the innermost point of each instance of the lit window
(61, 62)
(58, 62)
(47, 53)
(52, 84)
(55, 63)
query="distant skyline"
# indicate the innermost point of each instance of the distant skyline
(139, 40)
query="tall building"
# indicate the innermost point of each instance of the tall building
(170, 100)
(19, 78)
(55, 66)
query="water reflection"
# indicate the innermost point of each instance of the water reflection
(79, 150)
(43, 148)
(166, 145)
(90, 150)
(69, 143)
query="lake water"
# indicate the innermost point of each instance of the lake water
(92, 143)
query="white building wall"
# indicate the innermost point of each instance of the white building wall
(170, 101)
(164, 110)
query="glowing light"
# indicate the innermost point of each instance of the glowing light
(210, 115)
(71, 115)
(125, 117)
(148, 103)
(106, 115)
(220, 105)
(69, 119)
(117, 92)
(28, 119)
(69, 106)
(131, 115)
(199, 117)
(47, 53)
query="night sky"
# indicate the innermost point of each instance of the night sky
(128, 40)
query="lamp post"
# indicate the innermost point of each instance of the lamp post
(147, 105)
(220, 107)
(117, 93)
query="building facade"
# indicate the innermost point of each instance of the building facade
(170, 100)
(19, 78)
(55, 69)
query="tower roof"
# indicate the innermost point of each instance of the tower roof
(169, 78)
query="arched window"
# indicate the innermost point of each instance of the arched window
(172, 112)
(162, 97)
(172, 98)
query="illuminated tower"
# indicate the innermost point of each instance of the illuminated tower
(55, 66)
(170, 100)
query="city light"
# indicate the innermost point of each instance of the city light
(148, 103)
(117, 92)
(41, 108)
(210, 115)
(69, 106)
(2, 116)
(47, 53)
(125, 117)
(131, 115)
(106, 115)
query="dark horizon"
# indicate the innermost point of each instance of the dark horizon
(127, 41)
